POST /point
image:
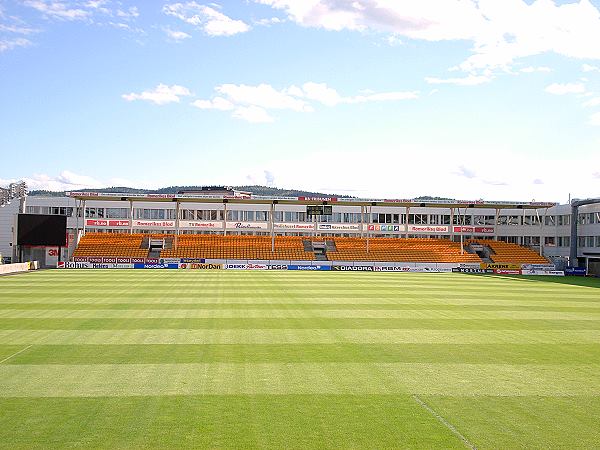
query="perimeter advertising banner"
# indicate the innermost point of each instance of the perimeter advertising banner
(501, 266)
(471, 270)
(353, 268)
(200, 266)
(307, 267)
(89, 265)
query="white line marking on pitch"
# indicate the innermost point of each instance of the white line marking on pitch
(444, 422)
(15, 354)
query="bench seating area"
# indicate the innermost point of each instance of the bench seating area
(400, 250)
(503, 252)
(111, 245)
(290, 248)
(212, 246)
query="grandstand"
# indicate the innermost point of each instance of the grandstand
(233, 225)
(299, 248)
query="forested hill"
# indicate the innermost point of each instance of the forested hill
(255, 189)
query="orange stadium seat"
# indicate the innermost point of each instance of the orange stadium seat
(212, 246)
(503, 252)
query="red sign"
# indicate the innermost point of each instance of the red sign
(106, 223)
(507, 271)
(476, 230)
(124, 260)
(52, 252)
(109, 260)
(319, 199)
(138, 260)
(80, 259)
(151, 260)
(95, 259)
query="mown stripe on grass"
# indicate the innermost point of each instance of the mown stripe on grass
(296, 323)
(49, 380)
(453, 306)
(243, 422)
(558, 354)
(293, 314)
(18, 338)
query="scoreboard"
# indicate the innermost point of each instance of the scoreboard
(319, 210)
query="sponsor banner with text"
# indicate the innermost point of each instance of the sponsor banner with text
(507, 271)
(502, 266)
(154, 224)
(428, 229)
(307, 267)
(247, 226)
(236, 266)
(556, 273)
(200, 266)
(89, 265)
(391, 269)
(338, 227)
(294, 226)
(106, 223)
(156, 266)
(576, 271)
(200, 225)
(538, 267)
(474, 230)
(353, 268)
(472, 270)
(278, 267)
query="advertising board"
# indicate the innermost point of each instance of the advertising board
(338, 227)
(471, 270)
(474, 230)
(428, 229)
(502, 266)
(307, 267)
(294, 226)
(200, 266)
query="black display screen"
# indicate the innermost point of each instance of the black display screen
(40, 229)
(319, 210)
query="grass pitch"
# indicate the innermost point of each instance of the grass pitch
(227, 359)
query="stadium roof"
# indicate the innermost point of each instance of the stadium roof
(247, 198)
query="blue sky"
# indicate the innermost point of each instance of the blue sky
(380, 98)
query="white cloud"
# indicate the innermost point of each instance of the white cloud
(469, 80)
(252, 103)
(16, 29)
(319, 92)
(216, 103)
(500, 31)
(131, 13)
(208, 19)
(266, 22)
(9, 44)
(566, 88)
(176, 36)
(58, 10)
(592, 102)
(532, 69)
(589, 68)
(503, 180)
(595, 119)
(253, 114)
(160, 95)
(263, 95)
